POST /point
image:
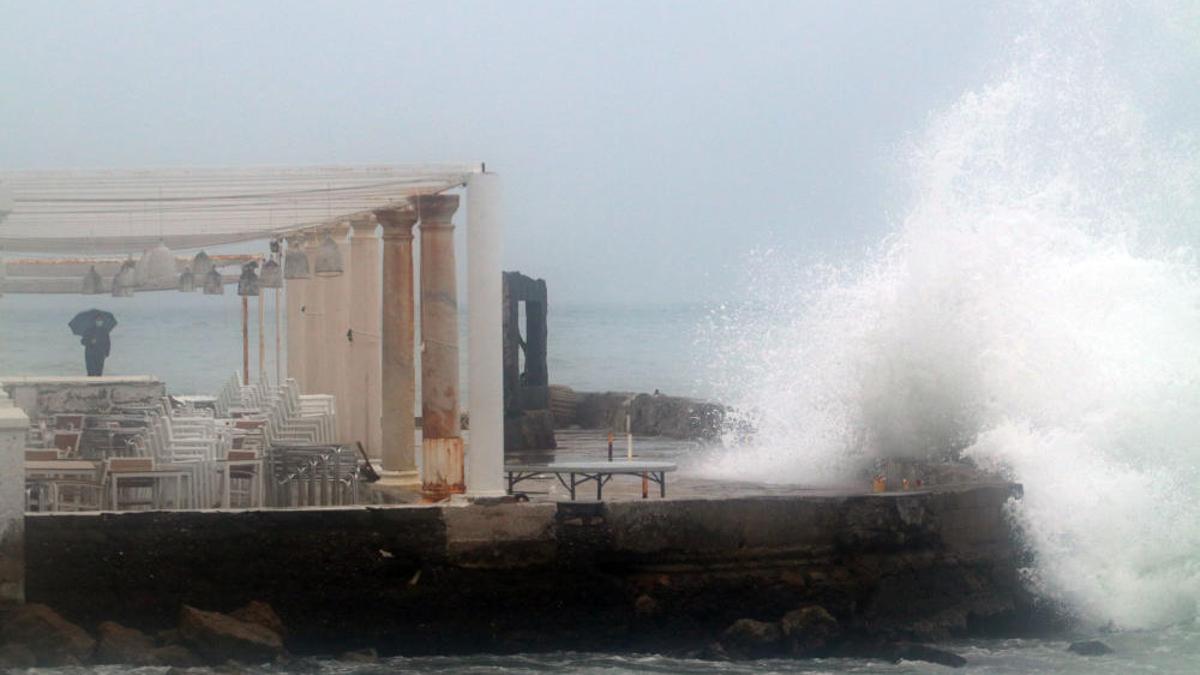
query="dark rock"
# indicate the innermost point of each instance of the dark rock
(1090, 648)
(368, 655)
(808, 631)
(645, 605)
(169, 637)
(919, 652)
(54, 640)
(17, 656)
(218, 637)
(752, 639)
(118, 644)
(176, 656)
(714, 652)
(262, 614)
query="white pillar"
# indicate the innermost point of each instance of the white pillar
(295, 292)
(336, 325)
(13, 427)
(485, 369)
(317, 356)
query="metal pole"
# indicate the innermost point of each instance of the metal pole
(278, 342)
(245, 340)
(262, 344)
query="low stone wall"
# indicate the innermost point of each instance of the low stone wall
(42, 397)
(661, 575)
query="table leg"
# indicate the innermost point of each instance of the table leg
(572, 487)
(662, 485)
(599, 488)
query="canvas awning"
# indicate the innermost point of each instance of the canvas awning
(127, 211)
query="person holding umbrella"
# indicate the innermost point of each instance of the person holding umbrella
(93, 327)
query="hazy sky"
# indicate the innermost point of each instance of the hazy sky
(645, 145)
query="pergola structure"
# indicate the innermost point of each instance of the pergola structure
(350, 333)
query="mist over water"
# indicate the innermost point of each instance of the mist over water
(1036, 310)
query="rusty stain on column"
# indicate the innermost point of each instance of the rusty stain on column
(315, 357)
(442, 444)
(295, 295)
(399, 373)
(364, 387)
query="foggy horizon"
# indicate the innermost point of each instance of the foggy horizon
(647, 149)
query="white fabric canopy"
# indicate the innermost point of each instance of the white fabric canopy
(127, 211)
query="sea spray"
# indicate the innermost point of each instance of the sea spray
(1037, 312)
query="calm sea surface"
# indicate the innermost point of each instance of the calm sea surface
(194, 341)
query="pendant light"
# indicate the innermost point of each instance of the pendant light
(329, 258)
(213, 283)
(201, 265)
(248, 282)
(295, 262)
(92, 283)
(125, 280)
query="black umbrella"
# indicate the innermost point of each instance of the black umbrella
(92, 319)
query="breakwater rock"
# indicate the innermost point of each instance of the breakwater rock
(649, 414)
(668, 576)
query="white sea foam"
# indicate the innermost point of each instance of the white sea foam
(1038, 310)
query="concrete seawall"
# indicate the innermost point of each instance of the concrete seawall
(659, 575)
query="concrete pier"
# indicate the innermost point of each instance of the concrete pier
(657, 575)
(442, 470)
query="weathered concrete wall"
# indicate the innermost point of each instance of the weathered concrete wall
(13, 426)
(625, 575)
(42, 397)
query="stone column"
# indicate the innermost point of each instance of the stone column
(294, 290)
(365, 390)
(442, 471)
(316, 355)
(13, 426)
(485, 362)
(396, 335)
(336, 326)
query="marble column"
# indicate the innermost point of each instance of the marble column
(442, 472)
(337, 327)
(294, 291)
(316, 355)
(13, 427)
(365, 390)
(396, 335)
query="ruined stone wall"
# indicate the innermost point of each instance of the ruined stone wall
(623, 575)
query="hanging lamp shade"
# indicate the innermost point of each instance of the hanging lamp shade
(156, 269)
(92, 283)
(248, 282)
(213, 283)
(329, 258)
(201, 265)
(125, 280)
(271, 275)
(295, 263)
(187, 281)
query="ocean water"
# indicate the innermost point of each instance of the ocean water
(194, 341)
(1036, 308)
